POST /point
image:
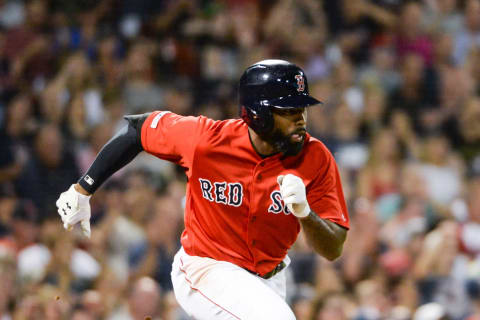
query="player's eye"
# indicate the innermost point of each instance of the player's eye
(288, 112)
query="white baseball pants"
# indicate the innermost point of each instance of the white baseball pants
(217, 290)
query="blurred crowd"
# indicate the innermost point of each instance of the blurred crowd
(400, 82)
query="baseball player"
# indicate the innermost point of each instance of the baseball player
(252, 184)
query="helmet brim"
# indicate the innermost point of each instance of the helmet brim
(292, 102)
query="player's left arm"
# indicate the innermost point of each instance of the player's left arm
(325, 236)
(325, 219)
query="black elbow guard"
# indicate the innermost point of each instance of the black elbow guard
(136, 121)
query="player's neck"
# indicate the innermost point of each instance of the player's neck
(262, 147)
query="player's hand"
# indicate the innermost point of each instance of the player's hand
(74, 207)
(294, 195)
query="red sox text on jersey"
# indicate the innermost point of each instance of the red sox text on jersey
(232, 193)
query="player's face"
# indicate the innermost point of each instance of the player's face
(289, 130)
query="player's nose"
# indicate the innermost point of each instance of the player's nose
(300, 119)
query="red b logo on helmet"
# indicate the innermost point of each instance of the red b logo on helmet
(300, 83)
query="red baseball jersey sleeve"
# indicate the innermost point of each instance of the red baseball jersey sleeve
(171, 137)
(234, 211)
(325, 194)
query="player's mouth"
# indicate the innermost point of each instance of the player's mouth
(298, 136)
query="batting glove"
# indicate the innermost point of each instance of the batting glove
(294, 195)
(74, 207)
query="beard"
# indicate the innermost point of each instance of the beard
(283, 142)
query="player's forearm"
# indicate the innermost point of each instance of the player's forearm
(117, 153)
(326, 237)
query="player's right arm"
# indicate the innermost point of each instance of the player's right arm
(73, 204)
(161, 133)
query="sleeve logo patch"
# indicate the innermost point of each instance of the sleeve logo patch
(157, 118)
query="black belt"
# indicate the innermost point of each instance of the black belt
(275, 270)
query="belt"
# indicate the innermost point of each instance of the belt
(270, 274)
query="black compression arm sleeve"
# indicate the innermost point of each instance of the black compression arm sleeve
(117, 153)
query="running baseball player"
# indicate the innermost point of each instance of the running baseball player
(252, 184)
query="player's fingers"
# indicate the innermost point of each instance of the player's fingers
(291, 179)
(62, 213)
(73, 198)
(70, 204)
(287, 194)
(289, 200)
(280, 180)
(73, 219)
(60, 201)
(85, 224)
(67, 226)
(287, 191)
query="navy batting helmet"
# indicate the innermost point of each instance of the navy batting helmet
(271, 84)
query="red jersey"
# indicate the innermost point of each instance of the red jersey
(234, 211)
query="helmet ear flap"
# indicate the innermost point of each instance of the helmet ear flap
(259, 118)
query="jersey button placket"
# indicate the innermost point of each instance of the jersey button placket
(258, 176)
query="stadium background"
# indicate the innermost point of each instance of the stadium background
(401, 84)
